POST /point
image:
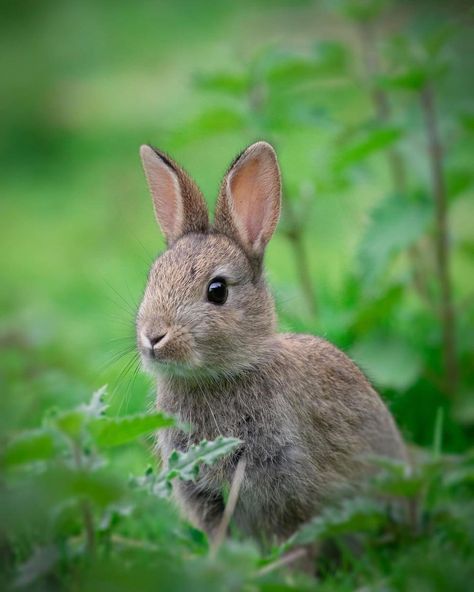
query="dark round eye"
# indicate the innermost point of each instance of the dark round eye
(217, 291)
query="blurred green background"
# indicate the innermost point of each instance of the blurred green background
(85, 83)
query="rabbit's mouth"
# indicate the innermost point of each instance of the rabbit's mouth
(177, 369)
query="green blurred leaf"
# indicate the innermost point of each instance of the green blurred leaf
(458, 180)
(61, 484)
(287, 69)
(416, 61)
(396, 223)
(353, 516)
(33, 446)
(467, 121)
(216, 120)
(366, 143)
(231, 83)
(115, 431)
(391, 362)
(362, 10)
(70, 423)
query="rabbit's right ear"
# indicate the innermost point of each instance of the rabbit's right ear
(179, 205)
(248, 206)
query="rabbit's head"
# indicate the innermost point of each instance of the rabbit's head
(206, 309)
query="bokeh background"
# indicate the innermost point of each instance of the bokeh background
(85, 83)
(370, 107)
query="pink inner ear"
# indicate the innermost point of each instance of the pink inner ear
(255, 192)
(165, 191)
(246, 188)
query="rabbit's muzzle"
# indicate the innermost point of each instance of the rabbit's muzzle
(167, 344)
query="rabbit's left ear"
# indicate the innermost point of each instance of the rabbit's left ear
(248, 207)
(179, 205)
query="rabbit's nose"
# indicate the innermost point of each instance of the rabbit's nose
(155, 340)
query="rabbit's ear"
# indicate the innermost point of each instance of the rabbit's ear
(179, 205)
(248, 207)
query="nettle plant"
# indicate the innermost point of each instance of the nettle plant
(71, 517)
(396, 313)
(61, 501)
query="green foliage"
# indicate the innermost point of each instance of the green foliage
(108, 432)
(365, 144)
(185, 465)
(389, 362)
(30, 447)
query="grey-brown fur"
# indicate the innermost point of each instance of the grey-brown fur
(305, 412)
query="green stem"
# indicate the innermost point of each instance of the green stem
(447, 313)
(85, 506)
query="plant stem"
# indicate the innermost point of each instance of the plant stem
(84, 505)
(447, 314)
(380, 101)
(88, 520)
(395, 161)
(296, 239)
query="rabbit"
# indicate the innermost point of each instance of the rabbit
(206, 329)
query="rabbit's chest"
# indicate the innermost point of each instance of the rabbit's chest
(268, 445)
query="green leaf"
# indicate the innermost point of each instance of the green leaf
(216, 120)
(396, 223)
(115, 431)
(185, 465)
(363, 10)
(287, 69)
(458, 180)
(230, 83)
(390, 362)
(62, 484)
(365, 144)
(403, 480)
(72, 422)
(353, 516)
(33, 446)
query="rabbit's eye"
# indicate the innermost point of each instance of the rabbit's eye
(217, 291)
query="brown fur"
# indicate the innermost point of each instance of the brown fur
(305, 413)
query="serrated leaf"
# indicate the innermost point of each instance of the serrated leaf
(108, 431)
(396, 223)
(72, 422)
(390, 362)
(29, 447)
(185, 465)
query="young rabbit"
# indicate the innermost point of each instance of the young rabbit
(206, 327)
